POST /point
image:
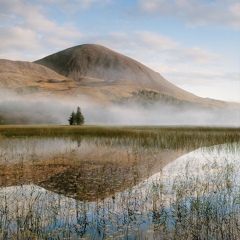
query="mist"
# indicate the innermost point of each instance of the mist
(16, 109)
(136, 115)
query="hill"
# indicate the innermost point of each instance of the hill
(94, 61)
(20, 73)
(94, 72)
(107, 85)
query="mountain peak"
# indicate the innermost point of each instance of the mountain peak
(96, 61)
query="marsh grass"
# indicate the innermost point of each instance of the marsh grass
(202, 205)
(163, 137)
(103, 170)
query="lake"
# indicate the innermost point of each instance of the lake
(140, 183)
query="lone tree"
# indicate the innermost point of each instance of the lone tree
(72, 119)
(79, 117)
(76, 118)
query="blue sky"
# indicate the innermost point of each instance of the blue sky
(195, 44)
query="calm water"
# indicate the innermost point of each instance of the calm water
(189, 197)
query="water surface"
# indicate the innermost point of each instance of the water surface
(196, 194)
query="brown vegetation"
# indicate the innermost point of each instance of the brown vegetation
(91, 71)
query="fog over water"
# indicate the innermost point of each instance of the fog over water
(49, 110)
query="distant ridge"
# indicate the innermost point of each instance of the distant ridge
(22, 73)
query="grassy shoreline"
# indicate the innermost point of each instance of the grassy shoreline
(43, 130)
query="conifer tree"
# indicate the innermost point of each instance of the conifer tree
(76, 118)
(79, 117)
(72, 118)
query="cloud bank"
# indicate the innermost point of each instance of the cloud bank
(194, 12)
(18, 110)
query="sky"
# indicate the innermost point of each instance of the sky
(194, 44)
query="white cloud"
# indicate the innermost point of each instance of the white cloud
(216, 84)
(71, 7)
(195, 12)
(26, 28)
(197, 55)
(18, 38)
(157, 50)
(137, 44)
(222, 90)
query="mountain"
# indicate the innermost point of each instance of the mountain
(110, 87)
(99, 62)
(94, 65)
(94, 72)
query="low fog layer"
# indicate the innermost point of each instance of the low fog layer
(19, 110)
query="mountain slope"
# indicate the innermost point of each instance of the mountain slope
(91, 71)
(20, 73)
(29, 79)
(95, 61)
(100, 62)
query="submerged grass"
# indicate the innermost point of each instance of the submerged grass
(191, 206)
(104, 165)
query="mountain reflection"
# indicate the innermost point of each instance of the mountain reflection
(157, 207)
(84, 170)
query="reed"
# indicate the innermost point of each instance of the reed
(92, 183)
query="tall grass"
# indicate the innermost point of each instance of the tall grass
(98, 187)
(173, 204)
(162, 137)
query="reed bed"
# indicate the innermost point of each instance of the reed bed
(98, 182)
